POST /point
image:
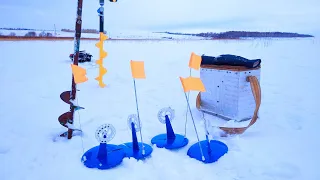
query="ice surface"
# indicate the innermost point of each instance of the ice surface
(283, 144)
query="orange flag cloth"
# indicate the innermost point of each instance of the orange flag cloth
(137, 69)
(192, 84)
(195, 61)
(79, 74)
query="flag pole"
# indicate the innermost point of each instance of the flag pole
(137, 106)
(194, 125)
(185, 124)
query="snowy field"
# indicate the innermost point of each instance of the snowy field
(283, 144)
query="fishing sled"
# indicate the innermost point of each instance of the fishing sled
(232, 90)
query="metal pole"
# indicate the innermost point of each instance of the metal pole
(135, 93)
(75, 60)
(195, 128)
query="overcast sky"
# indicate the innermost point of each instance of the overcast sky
(160, 15)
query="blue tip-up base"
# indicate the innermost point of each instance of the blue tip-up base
(211, 154)
(162, 141)
(170, 140)
(104, 156)
(130, 151)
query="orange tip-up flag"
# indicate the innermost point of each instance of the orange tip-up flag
(192, 84)
(79, 74)
(195, 61)
(137, 69)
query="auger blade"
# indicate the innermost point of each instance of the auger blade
(75, 132)
(65, 97)
(63, 118)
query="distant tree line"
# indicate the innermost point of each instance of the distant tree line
(28, 29)
(34, 34)
(92, 31)
(244, 34)
(18, 29)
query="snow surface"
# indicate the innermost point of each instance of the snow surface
(282, 145)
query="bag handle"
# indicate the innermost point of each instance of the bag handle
(256, 91)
